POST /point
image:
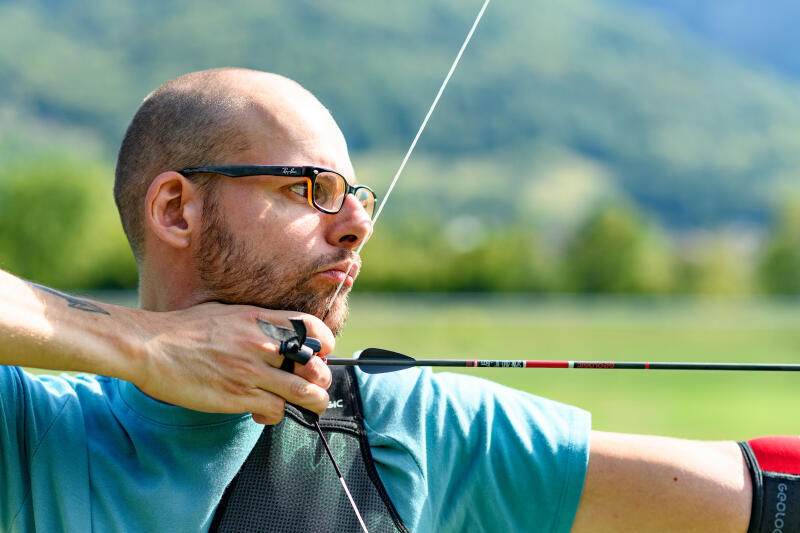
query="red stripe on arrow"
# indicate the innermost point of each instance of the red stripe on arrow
(546, 364)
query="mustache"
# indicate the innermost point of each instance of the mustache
(331, 259)
(283, 301)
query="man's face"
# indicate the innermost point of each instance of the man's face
(263, 244)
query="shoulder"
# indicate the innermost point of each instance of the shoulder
(444, 433)
(47, 387)
(463, 399)
(40, 399)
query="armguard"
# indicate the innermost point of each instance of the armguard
(774, 464)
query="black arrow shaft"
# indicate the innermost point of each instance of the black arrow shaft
(591, 365)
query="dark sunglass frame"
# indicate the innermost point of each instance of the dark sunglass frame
(243, 171)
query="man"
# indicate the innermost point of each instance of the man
(153, 447)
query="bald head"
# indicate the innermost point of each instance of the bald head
(208, 118)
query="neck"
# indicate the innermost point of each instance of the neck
(168, 289)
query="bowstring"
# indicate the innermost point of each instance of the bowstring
(410, 150)
(341, 477)
(378, 214)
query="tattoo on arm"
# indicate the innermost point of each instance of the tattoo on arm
(75, 303)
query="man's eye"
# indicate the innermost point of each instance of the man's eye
(322, 194)
(300, 189)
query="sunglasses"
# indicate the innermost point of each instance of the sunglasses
(324, 188)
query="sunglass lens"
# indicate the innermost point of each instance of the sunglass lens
(329, 191)
(367, 199)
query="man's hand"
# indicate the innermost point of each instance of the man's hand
(215, 358)
(210, 357)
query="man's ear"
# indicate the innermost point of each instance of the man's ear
(173, 209)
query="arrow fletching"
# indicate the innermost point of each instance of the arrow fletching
(377, 361)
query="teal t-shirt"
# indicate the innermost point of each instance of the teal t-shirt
(90, 453)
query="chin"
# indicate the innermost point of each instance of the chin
(315, 305)
(337, 316)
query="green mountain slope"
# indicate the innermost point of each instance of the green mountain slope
(551, 96)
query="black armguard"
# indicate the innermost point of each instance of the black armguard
(776, 494)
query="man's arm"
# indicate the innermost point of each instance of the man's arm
(647, 484)
(210, 357)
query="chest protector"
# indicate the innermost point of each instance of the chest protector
(288, 484)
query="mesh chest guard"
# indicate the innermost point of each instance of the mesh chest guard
(288, 484)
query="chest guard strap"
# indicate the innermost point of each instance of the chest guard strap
(288, 483)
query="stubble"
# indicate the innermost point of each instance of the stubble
(232, 275)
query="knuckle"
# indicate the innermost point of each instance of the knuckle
(271, 419)
(241, 370)
(247, 314)
(234, 388)
(324, 400)
(273, 409)
(314, 398)
(317, 372)
(251, 312)
(267, 350)
(319, 402)
(299, 389)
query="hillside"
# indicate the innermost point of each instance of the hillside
(762, 35)
(576, 100)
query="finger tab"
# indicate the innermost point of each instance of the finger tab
(287, 365)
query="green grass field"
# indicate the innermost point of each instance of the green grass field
(703, 405)
(707, 405)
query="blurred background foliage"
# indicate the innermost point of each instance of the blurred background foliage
(626, 151)
(584, 146)
(59, 226)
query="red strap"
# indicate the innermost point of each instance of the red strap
(777, 454)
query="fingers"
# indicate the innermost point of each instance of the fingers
(218, 359)
(261, 419)
(315, 328)
(276, 388)
(298, 390)
(267, 408)
(315, 371)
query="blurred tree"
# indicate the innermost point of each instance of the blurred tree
(712, 265)
(509, 259)
(58, 225)
(417, 255)
(779, 268)
(404, 257)
(615, 251)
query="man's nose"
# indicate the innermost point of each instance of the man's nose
(352, 226)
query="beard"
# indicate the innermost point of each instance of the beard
(231, 275)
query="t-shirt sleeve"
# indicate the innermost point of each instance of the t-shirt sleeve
(28, 407)
(458, 453)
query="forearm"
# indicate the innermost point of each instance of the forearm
(638, 483)
(210, 357)
(42, 328)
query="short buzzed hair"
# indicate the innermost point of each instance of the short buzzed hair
(190, 121)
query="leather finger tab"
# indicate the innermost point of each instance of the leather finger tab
(287, 365)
